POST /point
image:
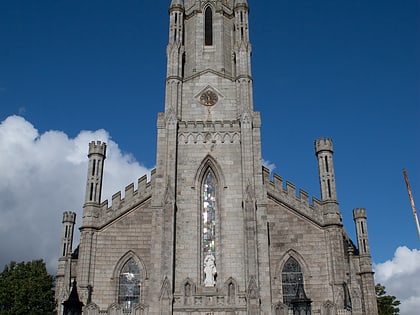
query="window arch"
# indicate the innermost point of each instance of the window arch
(208, 27)
(209, 214)
(129, 284)
(208, 228)
(291, 278)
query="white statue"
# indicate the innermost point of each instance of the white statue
(209, 270)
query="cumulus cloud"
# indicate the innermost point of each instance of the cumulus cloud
(401, 277)
(42, 175)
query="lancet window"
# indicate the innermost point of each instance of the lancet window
(291, 277)
(209, 208)
(208, 27)
(209, 215)
(129, 284)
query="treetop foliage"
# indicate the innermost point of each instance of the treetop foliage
(387, 304)
(26, 288)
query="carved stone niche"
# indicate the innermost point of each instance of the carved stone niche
(328, 308)
(281, 309)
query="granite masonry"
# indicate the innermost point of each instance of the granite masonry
(211, 232)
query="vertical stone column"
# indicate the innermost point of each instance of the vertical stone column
(63, 278)
(332, 218)
(91, 208)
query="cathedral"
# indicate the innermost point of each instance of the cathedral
(212, 232)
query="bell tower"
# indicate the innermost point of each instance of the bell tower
(208, 175)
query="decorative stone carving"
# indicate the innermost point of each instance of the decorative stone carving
(210, 271)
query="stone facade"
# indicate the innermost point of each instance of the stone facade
(211, 204)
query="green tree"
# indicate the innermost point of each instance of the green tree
(387, 304)
(26, 289)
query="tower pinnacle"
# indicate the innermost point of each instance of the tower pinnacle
(176, 3)
(324, 153)
(97, 155)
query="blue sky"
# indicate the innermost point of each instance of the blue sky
(349, 70)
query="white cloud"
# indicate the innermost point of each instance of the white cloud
(269, 165)
(401, 278)
(42, 175)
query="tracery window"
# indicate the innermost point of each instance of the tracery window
(291, 277)
(129, 284)
(208, 27)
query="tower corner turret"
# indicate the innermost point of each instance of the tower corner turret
(69, 220)
(98, 148)
(176, 4)
(241, 3)
(360, 220)
(97, 156)
(324, 153)
(323, 145)
(365, 261)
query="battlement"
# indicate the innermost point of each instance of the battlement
(323, 144)
(132, 197)
(287, 194)
(69, 217)
(97, 147)
(359, 213)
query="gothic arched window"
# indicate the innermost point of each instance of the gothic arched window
(129, 284)
(209, 215)
(291, 277)
(208, 27)
(208, 222)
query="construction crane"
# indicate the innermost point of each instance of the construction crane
(410, 195)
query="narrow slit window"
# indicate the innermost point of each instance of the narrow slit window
(93, 167)
(208, 37)
(329, 188)
(327, 167)
(91, 192)
(98, 167)
(95, 196)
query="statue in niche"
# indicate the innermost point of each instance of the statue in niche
(210, 271)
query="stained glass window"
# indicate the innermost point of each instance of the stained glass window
(291, 277)
(129, 284)
(209, 215)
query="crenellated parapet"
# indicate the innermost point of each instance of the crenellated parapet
(97, 147)
(69, 217)
(323, 144)
(286, 193)
(198, 132)
(118, 206)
